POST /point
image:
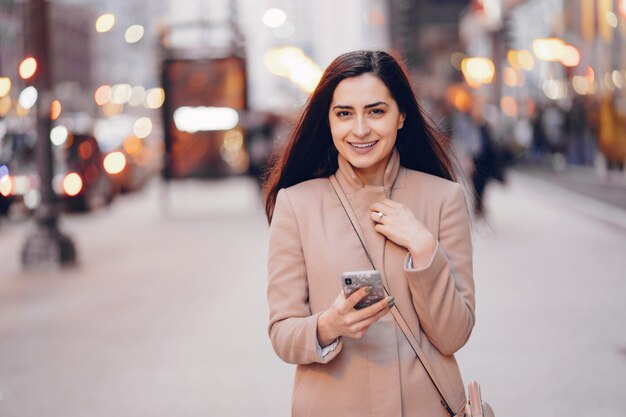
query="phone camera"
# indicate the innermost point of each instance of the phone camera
(348, 281)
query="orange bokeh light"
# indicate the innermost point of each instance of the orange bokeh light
(85, 150)
(103, 94)
(591, 75)
(55, 110)
(6, 186)
(508, 106)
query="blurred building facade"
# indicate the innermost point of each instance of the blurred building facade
(426, 33)
(70, 53)
(564, 75)
(321, 30)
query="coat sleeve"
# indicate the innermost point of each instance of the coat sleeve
(292, 327)
(443, 291)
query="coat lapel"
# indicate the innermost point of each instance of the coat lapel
(361, 197)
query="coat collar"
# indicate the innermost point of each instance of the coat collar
(350, 182)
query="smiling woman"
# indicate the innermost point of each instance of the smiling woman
(364, 120)
(365, 182)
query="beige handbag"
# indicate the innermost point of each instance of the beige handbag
(475, 407)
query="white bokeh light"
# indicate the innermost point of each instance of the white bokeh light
(274, 18)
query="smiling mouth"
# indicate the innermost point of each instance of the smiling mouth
(363, 145)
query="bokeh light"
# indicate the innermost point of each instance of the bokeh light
(6, 185)
(137, 95)
(58, 135)
(274, 18)
(72, 184)
(618, 79)
(290, 62)
(5, 86)
(103, 94)
(526, 59)
(513, 57)
(32, 199)
(85, 150)
(456, 58)
(105, 23)
(195, 119)
(555, 89)
(115, 162)
(548, 49)
(5, 105)
(478, 70)
(55, 109)
(510, 76)
(509, 106)
(570, 56)
(28, 97)
(121, 93)
(134, 34)
(611, 19)
(133, 145)
(142, 127)
(155, 97)
(27, 68)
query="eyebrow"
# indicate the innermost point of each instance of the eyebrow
(367, 106)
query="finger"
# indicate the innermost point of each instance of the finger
(382, 229)
(372, 310)
(354, 299)
(364, 324)
(377, 217)
(378, 206)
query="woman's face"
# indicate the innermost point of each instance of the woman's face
(364, 121)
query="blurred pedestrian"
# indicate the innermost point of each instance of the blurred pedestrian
(483, 160)
(488, 166)
(364, 168)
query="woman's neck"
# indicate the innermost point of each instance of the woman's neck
(374, 175)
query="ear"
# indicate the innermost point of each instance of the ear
(401, 121)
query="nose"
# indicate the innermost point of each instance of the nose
(360, 128)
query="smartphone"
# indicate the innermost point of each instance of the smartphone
(352, 281)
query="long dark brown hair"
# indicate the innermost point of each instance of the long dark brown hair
(310, 153)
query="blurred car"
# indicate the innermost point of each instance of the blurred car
(19, 181)
(132, 150)
(79, 177)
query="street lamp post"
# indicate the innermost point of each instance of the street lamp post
(47, 247)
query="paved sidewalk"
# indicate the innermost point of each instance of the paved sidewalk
(164, 316)
(608, 187)
(166, 313)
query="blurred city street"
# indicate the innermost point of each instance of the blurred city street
(166, 312)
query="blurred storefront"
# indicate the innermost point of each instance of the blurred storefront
(558, 74)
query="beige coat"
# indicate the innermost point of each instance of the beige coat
(312, 243)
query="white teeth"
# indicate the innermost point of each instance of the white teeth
(363, 145)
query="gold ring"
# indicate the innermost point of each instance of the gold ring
(380, 215)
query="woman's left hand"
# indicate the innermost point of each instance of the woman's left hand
(399, 225)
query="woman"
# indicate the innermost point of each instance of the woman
(363, 124)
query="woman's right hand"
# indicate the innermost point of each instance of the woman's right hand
(341, 319)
